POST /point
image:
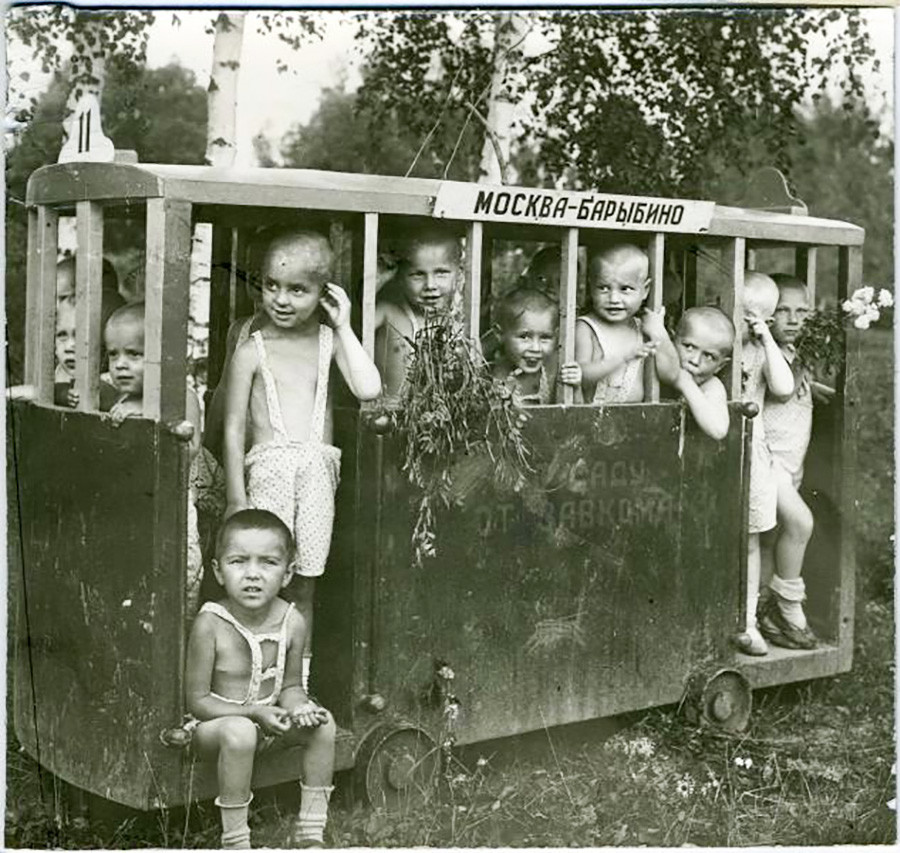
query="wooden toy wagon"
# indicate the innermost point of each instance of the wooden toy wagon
(617, 590)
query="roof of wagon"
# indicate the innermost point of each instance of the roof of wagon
(65, 184)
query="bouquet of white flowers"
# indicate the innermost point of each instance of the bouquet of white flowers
(820, 345)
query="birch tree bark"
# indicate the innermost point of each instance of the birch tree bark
(221, 134)
(510, 30)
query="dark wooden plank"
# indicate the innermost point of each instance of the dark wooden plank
(167, 293)
(222, 275)
(88, 298)
(95, 501)
(805, 270)
(533, 601)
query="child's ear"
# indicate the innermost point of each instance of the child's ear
(217, 572)
(288, 575)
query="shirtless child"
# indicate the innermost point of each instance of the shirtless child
(278, 398)
(243, 694)
(428, 273)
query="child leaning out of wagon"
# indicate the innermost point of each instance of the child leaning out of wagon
(124, 340)
(426, 280)
(528, 323)
(703, 341)
(763, 369)
(278, 400)
(788, 428)
(243, 679)
(617, 333)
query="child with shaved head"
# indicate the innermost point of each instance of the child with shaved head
(788, 427)
(428, 274)
(764, 370)
(703, 340)
(278, 398)
(610, 340)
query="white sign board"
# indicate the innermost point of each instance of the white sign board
(85, 141)
(571, 209)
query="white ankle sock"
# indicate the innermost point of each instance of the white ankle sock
(309, 824)
(235, 830)
(790, 594)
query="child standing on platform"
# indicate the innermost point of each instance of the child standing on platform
(764, 370)
(278, 399)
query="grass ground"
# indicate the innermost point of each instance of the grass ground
(815, 766)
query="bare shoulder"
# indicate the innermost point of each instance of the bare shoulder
(714, 389)
(204, 627)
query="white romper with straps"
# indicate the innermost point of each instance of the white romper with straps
(296, 480)
(626, 383)
(258, 676)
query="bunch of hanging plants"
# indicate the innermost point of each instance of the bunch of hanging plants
(462, 428)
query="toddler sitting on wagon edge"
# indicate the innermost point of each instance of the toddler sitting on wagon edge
(241, 703)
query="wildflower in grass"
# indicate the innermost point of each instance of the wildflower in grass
(746, 763)
(684, 787)
(482, 761)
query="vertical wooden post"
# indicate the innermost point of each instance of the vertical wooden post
(472, 291)
(844, 451)
(166, 300)
(750, 262)
(370, 281)
(657, 268)
(805, 270)
(88, 298)
(733, 305)
(40, 300)
(568, 283)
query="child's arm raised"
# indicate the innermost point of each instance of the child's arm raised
(778, 374)
(201, 658)
(591, 370)
(708, 403)
(239, 383)
(356, 367)
(667, 362)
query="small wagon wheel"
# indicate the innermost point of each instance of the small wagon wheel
(720, 698)
(397, 764)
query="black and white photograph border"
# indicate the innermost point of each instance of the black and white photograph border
(464, 426)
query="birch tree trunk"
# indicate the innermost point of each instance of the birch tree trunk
(221, 129)
(505, 82)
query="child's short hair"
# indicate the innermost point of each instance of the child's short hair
(619, 253)
(406, 242)
(133, 312)
(711, 315)
(515, 303)
(254, 519)
(785, 281)
(760, 291)
(267, 239)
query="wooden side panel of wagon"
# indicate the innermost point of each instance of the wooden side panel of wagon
(568, 601)
(99, 635)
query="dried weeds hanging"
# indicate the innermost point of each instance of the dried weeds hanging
(460, 425)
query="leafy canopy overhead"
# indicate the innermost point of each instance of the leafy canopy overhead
(632, 100)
